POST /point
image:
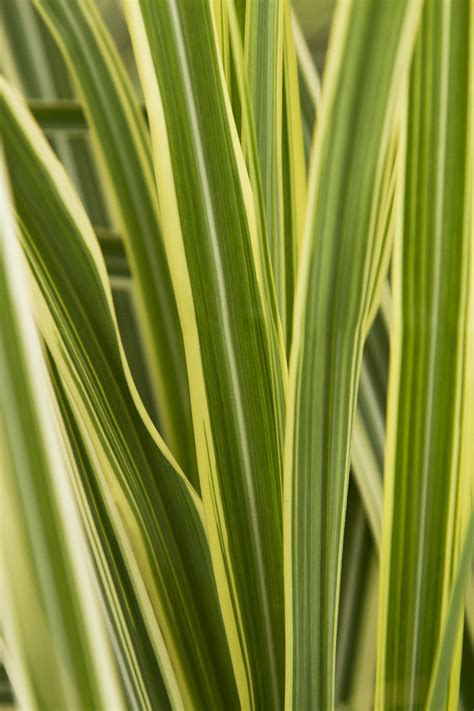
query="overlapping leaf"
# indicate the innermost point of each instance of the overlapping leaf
(232, 341)
(156, 516)
(55, 629)
(122, 140)
(428, 468)
(341, 270)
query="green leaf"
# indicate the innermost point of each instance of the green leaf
(264, 32)
(58, 114)
(368, 439)
(341, 270)
(55, 630)
(449, 636)
(273, 82)
(43, 76)
(369, 424)
(356, 634)
(156, 515)
(428, 472)
(310, 85)
(139, 668)
(121, 137)
(232, 339)
(293, 169)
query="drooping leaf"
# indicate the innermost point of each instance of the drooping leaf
(122, 141)
(156, 515)
(43, 75)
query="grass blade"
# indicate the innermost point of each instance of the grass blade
(43, 75)
(156, 515)
(310, 85)
(339, 273)
(293, 169)
(47, 576)
(122, 141)
(368, 439)
(139, 668)
(232, 342)
(428, 476)
(369, 424)
(263, 46)
(356, 634)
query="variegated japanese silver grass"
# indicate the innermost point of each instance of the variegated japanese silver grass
(195, 356)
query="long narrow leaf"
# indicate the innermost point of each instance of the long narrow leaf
(139, 667)
(120, 133)
(264, 33)
(55, 628)
(233, 346)
(293, 169)
(43, 75)
(156, 515)
(310, 85)
(340, 271)
(369, 424)
(356, 639)
(428, 478)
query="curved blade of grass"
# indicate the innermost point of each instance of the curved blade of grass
(122, 143)
(369, 432)
(156, 515)
(340, 271)
(233, 346)
(428, 477)
(43, 75)
(54, 624)
(241, 95)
